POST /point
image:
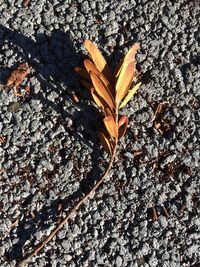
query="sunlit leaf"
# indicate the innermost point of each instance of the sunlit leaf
(102, 90)
(122, 124)
(111, 126)
(130, 95)
(98, 59)
(124, 82)
(89, 65)
(105, 142)
(130, 57)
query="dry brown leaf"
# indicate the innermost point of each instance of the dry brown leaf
(105, 142)
(18, 75)
(159, 109)
(91, 67)
(98, 59)
(111, 126)
(124, 82)
(96, 55)
(122, 124)
(102, 90)
(98, 100)
(130, 57)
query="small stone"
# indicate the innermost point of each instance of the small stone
(68, 257)
(14, 107)
(197, 222)
(129, 155)
(69, 166)
(119, 261)
(163, 221)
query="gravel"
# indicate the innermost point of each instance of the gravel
(51, 152)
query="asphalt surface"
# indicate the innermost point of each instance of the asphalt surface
(147, 213)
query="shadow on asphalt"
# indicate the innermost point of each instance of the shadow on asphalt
(52, 59)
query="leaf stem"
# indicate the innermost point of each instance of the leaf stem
(40, 246)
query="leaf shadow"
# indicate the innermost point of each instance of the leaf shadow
(53, 59)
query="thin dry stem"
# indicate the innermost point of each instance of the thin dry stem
(70, 213)
(40, 246)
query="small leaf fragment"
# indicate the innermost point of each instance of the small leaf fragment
(122, 120)
(18, 75)
(159, 109)
(122, 124)
(75, 98)
(130, 95)
(105, 142)
(111, 126)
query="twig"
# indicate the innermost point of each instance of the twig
(166, 212)
(40, 246)
(154, 214)
(110, 93)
